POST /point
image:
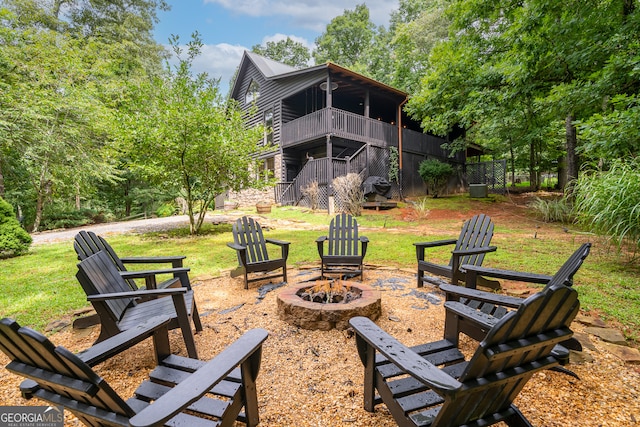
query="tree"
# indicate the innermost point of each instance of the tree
(347, 39)
(531, 64)
(14, 240)
(182, 135)
(286, 51)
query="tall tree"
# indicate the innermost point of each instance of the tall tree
(539, 53)
(347, 38)
(184, 137)
(287, 51)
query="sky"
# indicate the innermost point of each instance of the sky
(229, 27)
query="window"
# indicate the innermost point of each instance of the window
(268, 127)
(253, 92)
(267, 170)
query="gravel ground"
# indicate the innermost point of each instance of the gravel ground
(314, 378)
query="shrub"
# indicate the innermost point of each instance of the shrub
(14, 240)
(608, 201)
(349, 193)
(166, 209)
(553, 210)
(312, 192)
(436, 174)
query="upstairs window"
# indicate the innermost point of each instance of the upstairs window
(253, 92)
(268, 127)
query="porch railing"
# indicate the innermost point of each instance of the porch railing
(340, 123)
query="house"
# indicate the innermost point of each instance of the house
(325, 121)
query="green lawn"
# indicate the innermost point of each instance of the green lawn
(40, 286)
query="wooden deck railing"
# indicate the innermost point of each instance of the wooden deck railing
(340, 123)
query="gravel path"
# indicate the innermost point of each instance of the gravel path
(134, 226)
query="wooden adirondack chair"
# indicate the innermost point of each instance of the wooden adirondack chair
(87, 243)
(180, 391)
(477, 392)
(473, 312)
(119, 310)
(470, 248)
(253, 256)
(346, 248)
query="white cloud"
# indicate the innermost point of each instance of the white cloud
(309, 14)
(279, 36)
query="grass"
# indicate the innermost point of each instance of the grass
(40, 287)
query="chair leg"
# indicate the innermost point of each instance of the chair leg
(185, 325)
(195, 316)
(420, 278)
(284, 273)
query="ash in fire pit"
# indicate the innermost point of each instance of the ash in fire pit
(330, 292)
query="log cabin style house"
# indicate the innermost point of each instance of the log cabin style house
(325, 121)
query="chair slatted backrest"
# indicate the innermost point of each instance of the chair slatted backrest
(62, 377)
(343, 236)
(87, 243)
(98, 275)
(514, 349)
(476, 232)
(248, 233)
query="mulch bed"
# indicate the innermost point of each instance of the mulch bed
(314, 378)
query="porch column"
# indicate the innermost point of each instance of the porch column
(331, 202)
(329, 92)
(367, 113)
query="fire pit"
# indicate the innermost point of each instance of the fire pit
(327, 305)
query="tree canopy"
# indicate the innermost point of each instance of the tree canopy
(182, 135)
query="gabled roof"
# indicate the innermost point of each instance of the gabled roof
(273, 70)
(268, 67)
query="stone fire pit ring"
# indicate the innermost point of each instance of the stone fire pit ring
(319, 316)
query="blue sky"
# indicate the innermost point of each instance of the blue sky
(228, 27)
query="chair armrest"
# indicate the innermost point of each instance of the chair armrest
(436, 243)
(140, 274)
(421, 246)
(137, 294)
(364, 239)
(507, 274)
(403, 357)
(471, 314)
(237, 247)
(175, 260)
(277, 242)
(108, 348)
(321, 239)
(455, 293)
(474, 251)
(201, 381)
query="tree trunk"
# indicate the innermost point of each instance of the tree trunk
(513, 166)
(43, 192)
(533, 163)
(572, 157)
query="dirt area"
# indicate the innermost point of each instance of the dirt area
(315, 378)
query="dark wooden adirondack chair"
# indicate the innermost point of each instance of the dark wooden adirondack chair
(346, 248)
(179, 391)
(87, 243)
(473, 312)
(118, 306)
(253, 256)
(477, 392)
(470, 248)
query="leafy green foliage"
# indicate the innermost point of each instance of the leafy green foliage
(286, 51)
(608, 201)
(553, 210)
(346, 39)
(14, 240)
(183, 136)
(435, 173)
